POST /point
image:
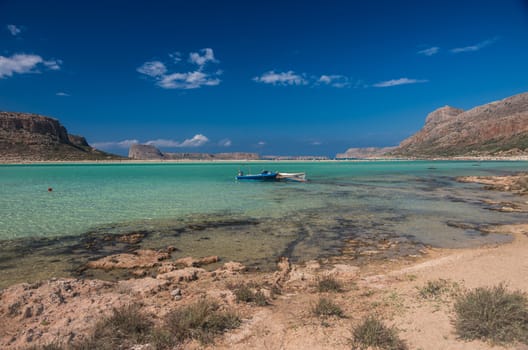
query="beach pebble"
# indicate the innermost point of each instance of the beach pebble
(176, 294)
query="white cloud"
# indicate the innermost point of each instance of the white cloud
(61, 93)
(225, 143)
(207, 56)
(115, 144)
(476, 47)
(13, 29)
(53, 64)
(25, 63)
(401, 81)
(153, 69)
(193, 79)
(163, 143)
(291, 78)
(283, 78)
(337, 81)
(430, 51)
(196, 141)
(189, 80)
(175, 56)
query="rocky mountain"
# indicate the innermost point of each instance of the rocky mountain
(151, 152)
(144, 152)
(365, 153)
(32, 137)
(498, 129)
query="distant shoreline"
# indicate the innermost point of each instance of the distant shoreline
(228, 161)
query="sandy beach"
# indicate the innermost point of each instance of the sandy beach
(66, 310)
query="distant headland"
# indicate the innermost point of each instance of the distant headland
(498, 130)
(33, 137)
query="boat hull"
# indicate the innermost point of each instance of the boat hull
(260, 177)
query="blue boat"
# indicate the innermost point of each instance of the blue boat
(265, 175)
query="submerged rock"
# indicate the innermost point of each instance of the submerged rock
(144, 258)
(191, 262)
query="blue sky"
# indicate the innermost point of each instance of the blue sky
(273, 77)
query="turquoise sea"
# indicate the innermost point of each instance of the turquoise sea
(202, 210)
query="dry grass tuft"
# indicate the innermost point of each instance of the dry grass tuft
(373, 334)
(202, 320)
(329, 284)
(493, 314)
(325, 307)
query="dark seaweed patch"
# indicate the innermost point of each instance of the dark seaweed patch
(220, 224)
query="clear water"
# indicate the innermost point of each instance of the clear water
(249, 221)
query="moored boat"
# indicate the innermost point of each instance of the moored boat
(265, 175)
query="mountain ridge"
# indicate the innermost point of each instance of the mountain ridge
(496, 128)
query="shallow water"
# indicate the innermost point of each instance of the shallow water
(200, 209)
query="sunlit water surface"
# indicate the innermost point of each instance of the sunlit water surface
(202, 210)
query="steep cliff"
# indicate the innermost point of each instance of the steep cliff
(32, 137)
(497, 128)
(144, 152)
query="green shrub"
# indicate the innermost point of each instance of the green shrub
(433, 289)
(161, 339)
(329, 284)
(374, 334)
(202, 320)
(126, 327)
(493, 314)
(245, 294)
(325, 307)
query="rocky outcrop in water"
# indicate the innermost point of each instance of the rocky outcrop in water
(32, 137)
(151, 152)
(498, 128)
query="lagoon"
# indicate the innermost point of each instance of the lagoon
(201, 209)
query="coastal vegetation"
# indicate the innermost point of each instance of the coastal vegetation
(492, 313)
(127, 327)
(326, 307)
(202, 321)
(329, 284)
(373, 333)
(244, 293)
(436, 289)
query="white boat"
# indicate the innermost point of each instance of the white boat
(299, 177)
